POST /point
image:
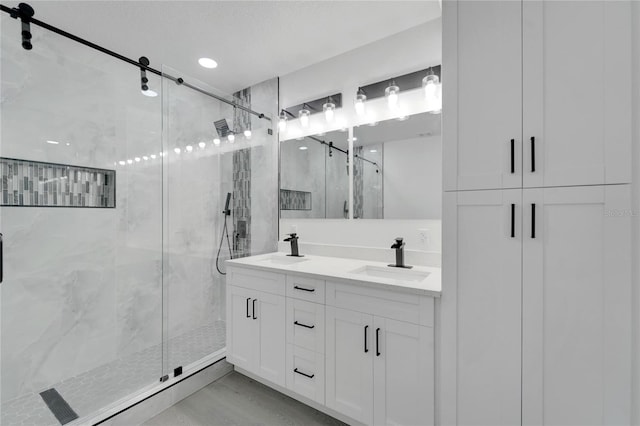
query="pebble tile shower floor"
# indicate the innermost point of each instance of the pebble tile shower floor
(102, 386)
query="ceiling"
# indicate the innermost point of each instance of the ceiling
(252, 41)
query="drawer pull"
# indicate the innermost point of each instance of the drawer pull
(533, 154)
(311, 376)
(254, 309)
(513, 156)
(304, 325)
(533, 220)
(377, 342)
(248, 316)
(310, 290)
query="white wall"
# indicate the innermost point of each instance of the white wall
(411, 50)
(412, 171)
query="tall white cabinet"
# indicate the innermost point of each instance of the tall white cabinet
(537, 94)
(536, 311)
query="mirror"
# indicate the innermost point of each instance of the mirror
(398, 169)
(314, 180)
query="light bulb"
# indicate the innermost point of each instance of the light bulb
(359, 102)
(153, 156)
(122, 163)
(202, 145)
(391, 93)
(247, 134)
(282, 122)
(216, 141)
(145, 158)
(302, 148)
(303, 114)
(231, 137)
(329, 109)
(137, 159)
(176, 150)
(129, 161)
(189, 148)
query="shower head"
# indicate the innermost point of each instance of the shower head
(222, 127)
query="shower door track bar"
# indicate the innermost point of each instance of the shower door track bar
(14, 13)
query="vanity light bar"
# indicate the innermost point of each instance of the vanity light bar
(316, 105)
(405, 82)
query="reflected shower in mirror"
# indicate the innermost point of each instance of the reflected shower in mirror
(314, 179)
(398, 169)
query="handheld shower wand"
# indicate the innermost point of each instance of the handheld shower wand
(225, 231)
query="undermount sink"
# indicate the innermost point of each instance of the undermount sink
(284, 260)
(391, 273)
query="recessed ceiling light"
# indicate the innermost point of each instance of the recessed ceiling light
(53, 142)
(150, 93)
(373, 150)
(303, 148)
(207, 62)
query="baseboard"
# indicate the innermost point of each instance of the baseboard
(313, 404)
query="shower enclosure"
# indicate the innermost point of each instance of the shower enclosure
(111, 218)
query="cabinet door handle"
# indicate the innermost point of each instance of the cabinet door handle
(311, 376)
(533, 154)
(533, 220)
(513, 156)
(303, 325)
(513, 220)
(248, 316)
(377, 342)
(366, 330)
(311, 290)
(253, 314)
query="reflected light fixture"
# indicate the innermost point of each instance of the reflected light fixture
(303, 115)
(153, 156)
(189, 148)
(329, 109)
(176, 150)
(282, 122)
(129, 161)
(392, 93)
(207, 63)
(231, 137)
(359, 102)
(432, 92)
(302, 148)
(202, 145)
(247, 134)
(216, 141)
(373, 150)
(137, 159)
(145, 158)
(122, 163)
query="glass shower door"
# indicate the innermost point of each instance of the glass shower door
(213, 153)
(80, 213)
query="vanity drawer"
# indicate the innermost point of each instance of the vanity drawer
(412, 308)
(309, 289)
(305, 373)
(268, 282)
(305, 325)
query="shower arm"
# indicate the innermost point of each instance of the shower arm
(15, 13)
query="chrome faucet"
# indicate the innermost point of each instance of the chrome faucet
(293, 238)
(399, 247)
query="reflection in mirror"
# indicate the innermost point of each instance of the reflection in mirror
(314, 180)
(398, 169)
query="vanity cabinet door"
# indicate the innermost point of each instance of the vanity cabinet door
(403, 382)
(577, 306)
(576, 92)
(482, 90)
(242, 329)
(350, 350)
(270, 316)
(481, 308)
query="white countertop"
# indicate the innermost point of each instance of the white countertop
(344, 270)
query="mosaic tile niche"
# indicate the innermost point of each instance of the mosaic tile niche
(34, 184)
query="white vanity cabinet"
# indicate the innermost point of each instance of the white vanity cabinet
(256, 323)
(356, 349)
(529, 102)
